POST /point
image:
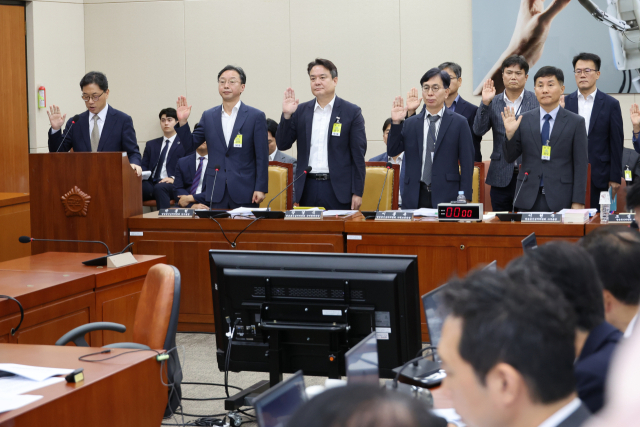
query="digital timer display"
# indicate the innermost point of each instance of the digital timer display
(460, 212)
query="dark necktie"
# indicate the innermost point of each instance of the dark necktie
(431, 148)
(163, 156)
(544, 138)
(196, 179)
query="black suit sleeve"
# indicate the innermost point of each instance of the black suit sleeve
(287, 133)
(616, 139)
(358, 146)
(580, 163)
(513, 147)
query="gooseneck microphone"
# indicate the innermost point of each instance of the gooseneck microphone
(217, 168)
(269, 214)
(389, 166)
(526, 175)
(74, 119)
(25, 239)
(304, 172)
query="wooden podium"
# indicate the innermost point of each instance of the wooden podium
(82, 196)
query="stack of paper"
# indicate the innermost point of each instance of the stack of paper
(17, 379)
(338, 213)
(574, 216)
(425, 212)
(244, 212)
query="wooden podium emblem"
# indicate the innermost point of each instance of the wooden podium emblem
(76, 202)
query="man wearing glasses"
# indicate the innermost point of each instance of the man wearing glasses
(434, 142)
(603, 120)
(99, 129)
(236, 137)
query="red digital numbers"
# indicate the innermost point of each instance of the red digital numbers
(458, 212)
(449, 211)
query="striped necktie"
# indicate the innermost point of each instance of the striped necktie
(196, 178)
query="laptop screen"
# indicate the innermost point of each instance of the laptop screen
(275, 406)
(362, 361)
(529, 242)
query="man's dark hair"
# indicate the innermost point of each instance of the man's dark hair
(95, 77)
(272, 127)
(239, 70)
(363, 405)
(584, 56)
(457, 70)
(633, 197)
(446, 78)
(616, 253)
(549, 71)
(386, 124)
(571, 269)
(515, 60)
(530, 327)
(169, 112)
(326, 64)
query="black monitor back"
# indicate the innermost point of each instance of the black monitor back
(317, 305)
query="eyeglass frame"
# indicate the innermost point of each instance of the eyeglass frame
(95, 98)
(586, 71)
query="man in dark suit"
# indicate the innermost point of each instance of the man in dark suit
(553, 144)
(502, 176)
(236, 136)
(397, 160)
(457, 104)
(571, 269)
(190, 186)
(160, 158)
(331, 139)
(101, 128)
(276, 155)
(434, 143)
(603, 119)
(507, 346)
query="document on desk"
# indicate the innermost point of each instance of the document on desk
(18, 385)
(9, 402)
(425, 212)
(338, 213)
(35, 373)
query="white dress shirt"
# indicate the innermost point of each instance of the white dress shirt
(585, 106)
(273, 155)
(631, 326)
(517, 104)
(554, 114)
(319, 151)
(163, 171)
(228, 121)
(562, 414)
(204, 168)
(427, 123)
(102, 116)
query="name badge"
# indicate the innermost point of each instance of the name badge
(237, 142)
(546, 152)
(337, 127)
(627, 174)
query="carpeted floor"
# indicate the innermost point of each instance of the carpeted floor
(197, 354)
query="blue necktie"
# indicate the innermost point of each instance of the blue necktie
(544, 138)
(196, 179)
(163, 155)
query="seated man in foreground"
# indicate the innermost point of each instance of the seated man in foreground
(190, 185)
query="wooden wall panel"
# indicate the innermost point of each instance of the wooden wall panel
(14, 139)
(15, 220)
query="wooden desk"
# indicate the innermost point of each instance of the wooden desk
(186, 242)
(15, 219)
(447, 248)
(125, 391)
(595, 223)
(59, 293)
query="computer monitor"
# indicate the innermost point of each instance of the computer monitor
(275, 406)
(529, 242)
(362, 361)
(303, 311)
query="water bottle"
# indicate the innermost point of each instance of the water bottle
(604, 213)
(461, 198)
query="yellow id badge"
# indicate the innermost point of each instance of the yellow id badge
(546, 152)
(337, 127)
(237, 142)
(627, 175)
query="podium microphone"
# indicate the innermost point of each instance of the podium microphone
(513, 216)
(217, 168)
(102, 261)
(372, 215)
(526, 175)
(277, 214)
(74, 119)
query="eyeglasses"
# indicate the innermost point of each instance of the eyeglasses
(586, 71)
(95, 98)
(231, 82)
(427, 88)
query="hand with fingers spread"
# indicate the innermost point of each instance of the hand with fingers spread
(55, 117)
(183, 110)
(635, 118)
(289, 103)
(398, 110)
(413, 101)
(511, 124)
(488, 92)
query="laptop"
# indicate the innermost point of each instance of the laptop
(529, 242)
(362, 362)
(275, 406)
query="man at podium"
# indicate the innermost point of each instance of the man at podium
(101, 128)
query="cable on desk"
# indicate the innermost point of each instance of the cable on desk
(14, 330)
(82, 358)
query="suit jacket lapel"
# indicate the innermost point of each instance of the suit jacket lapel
(174, 146)
(571, 102)
(558, 126)
(84, 126)
(243, 111)
(446, 121)
(308, 120)
(421, 133)
(535, 128)
(192, 166)
(217, 125)
(109, 124)
(597, 106)
(335, 112)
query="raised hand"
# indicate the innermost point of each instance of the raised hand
(488, 92)
(183, 109)
(562, 101)
(55, 117)
(511, 124)
(413, 101)
(398, 110)
(635, 117)
(289, 103)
